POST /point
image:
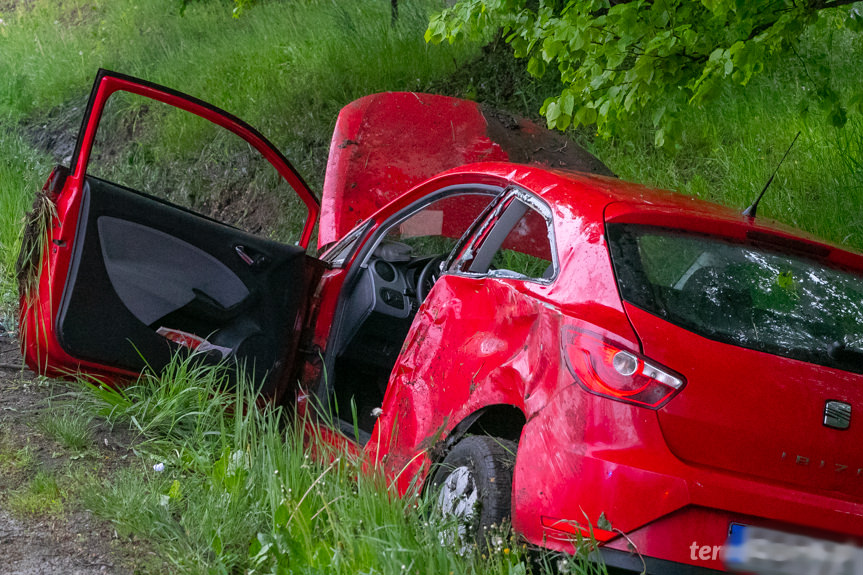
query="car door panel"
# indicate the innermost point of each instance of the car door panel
(143, 264)
(146, 267)
(127, 279)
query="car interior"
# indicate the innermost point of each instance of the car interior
(389, 282)
(381, 297)
(151, 278)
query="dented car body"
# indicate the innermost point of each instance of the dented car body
(664, 364)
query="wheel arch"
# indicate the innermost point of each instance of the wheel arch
(501, 420)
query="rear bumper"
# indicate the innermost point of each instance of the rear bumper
(631, 562)
(574, 466)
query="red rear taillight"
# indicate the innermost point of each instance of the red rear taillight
(604, 368)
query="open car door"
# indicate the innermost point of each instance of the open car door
(113, 280)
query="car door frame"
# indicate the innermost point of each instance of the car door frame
(41, 312)
(108, 82)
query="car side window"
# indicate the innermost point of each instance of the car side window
(436, 228)
(516, 243)
(181, 158)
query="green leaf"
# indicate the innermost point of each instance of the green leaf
(854, 21)
(551, 48)
(657, 115)
(563, 122)
(175, 491)
(536, 67)
(603, 522)
(718, 7)
(603, 108)
(255, 546)
(282, 514)
(629, 100)
(567, 102)
(785, 280)
(216, 545)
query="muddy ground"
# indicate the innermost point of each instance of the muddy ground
(72, 541)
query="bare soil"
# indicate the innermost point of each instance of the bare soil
(73, 541)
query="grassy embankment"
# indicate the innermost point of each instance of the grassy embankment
(287, 68)
(237, 493)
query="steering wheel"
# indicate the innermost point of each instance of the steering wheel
(428, 276)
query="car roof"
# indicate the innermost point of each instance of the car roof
(573, 195)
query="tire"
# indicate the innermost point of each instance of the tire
(472, 490)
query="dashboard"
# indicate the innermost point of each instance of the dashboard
(383, 303)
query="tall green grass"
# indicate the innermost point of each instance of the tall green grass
(239, 492)
(286, 67)
(22, 173)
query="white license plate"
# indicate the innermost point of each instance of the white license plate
(766, 551)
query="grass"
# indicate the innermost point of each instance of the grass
(222, 487)
(71, 427)
(286, 69)
(21, 168)
(41, 495)
(14, 459)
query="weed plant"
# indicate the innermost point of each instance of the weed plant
(20, 170)
(14, 459)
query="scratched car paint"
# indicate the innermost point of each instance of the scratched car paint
(511, 324)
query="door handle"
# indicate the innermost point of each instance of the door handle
(256, 262)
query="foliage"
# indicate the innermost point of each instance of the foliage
(285, 67)
(20, 169)
(621, 59)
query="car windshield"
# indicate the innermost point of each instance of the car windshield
(740, 294)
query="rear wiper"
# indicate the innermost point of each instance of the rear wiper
(841, 353)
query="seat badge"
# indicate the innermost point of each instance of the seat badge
(837, 414)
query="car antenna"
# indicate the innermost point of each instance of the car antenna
(750, 211)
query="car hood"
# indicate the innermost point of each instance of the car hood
(385, 144)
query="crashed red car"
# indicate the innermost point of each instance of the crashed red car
(669, 376)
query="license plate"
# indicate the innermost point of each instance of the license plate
(766, 551)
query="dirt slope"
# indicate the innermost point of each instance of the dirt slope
(71, 542)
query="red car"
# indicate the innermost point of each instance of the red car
(581, 354)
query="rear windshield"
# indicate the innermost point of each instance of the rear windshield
(741, 294)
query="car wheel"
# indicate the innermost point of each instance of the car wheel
(472, 490)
